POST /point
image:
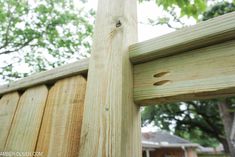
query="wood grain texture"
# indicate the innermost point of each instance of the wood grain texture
(8, 105)
(203, 34)
(203, 73)
(27, 121)
(111, 124)
(50, 76)
(62, 121)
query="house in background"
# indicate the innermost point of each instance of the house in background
(163, 144)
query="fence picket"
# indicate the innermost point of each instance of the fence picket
(61, 127)
(26, 123)
(8, 105)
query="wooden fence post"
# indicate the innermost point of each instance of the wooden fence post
(111, 123)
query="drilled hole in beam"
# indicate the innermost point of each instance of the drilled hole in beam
(159, 83)
(160, 74)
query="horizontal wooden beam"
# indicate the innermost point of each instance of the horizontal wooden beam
(203, 34)
(203, 73)
(79, 67)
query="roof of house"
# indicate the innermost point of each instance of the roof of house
(161, 139)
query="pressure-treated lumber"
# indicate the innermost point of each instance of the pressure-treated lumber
(79, 67)
(62, 121)
(8, 105)
(27, 120)
(111, 124)
(203, 34)
(203, 73)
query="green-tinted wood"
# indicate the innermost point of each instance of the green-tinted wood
(8, 105)
(47, 77)
(203, 73)
(62, 121)
(203, 34)
(27, 121)
(111, 124)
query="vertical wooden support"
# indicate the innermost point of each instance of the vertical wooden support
(111, 124)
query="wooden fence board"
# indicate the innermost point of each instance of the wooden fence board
(8, 105)
(60, 131)
(203, 73)
(27, 121)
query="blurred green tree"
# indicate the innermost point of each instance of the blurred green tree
(189, 8)
(197, 121)
(40, 35)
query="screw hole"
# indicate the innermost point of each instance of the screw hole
(160, 74)
(159, 83)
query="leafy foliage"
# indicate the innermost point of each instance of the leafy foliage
(39, 35)
(189, 8)
(196, 120)
(192, 8)
(218, 9)
(196, 9)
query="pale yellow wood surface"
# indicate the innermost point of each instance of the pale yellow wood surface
(50, 76)
(27, 121)
(8, 105)
(205, 33)
(111, 124)
(204, 73)
(62, 121)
